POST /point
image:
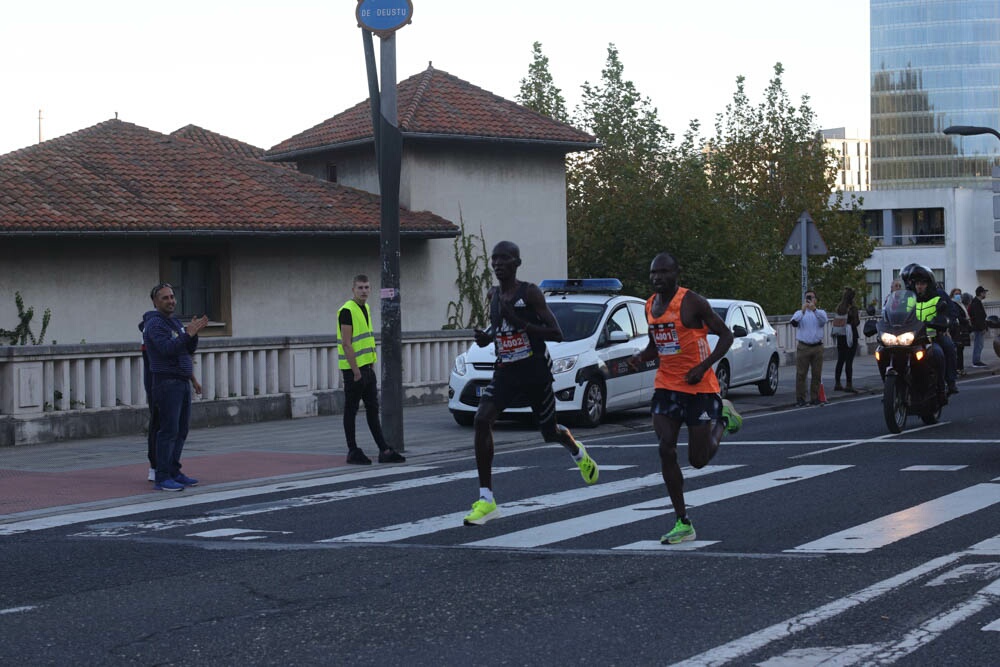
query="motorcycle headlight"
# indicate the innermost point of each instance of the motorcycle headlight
(460, 366)
(564, 364)
(902, 339)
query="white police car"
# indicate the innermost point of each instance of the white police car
(601, 330)
(753, 357)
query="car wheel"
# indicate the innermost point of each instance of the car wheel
(592, 410)
(463, 418)
(722, 374)
(769, 385)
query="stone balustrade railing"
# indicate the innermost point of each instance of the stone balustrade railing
(53, 392)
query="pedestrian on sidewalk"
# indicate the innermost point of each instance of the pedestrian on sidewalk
(977, 319)
(169, 346)
(808, 322)
(520, 323)
(686, 389)
(845, 333)
(961, 329)
(356, 359)
(154, 416)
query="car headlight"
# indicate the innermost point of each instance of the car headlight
(460, 365)
(564, 364)
(902, 339)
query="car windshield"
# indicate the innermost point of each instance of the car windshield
(577, 320)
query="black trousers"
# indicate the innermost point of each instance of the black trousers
(365, 389)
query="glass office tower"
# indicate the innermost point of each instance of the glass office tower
(934, 63)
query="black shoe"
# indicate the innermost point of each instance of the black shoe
(952, 388)
(391, 456)
(800, 404)
(815, 401)
(838, 387)
(357, 457)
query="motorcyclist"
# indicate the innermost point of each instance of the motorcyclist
(932, 308)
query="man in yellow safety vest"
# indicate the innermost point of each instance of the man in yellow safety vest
(356, 360)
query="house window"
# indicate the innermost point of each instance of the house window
(200, 278)
(331, 172)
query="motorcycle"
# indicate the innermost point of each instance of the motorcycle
(905, 362)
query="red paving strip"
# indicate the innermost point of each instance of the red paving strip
(21, 491)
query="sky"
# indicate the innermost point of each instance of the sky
(262, 71)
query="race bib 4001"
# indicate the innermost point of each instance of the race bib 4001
(513, 347)
(666, 339)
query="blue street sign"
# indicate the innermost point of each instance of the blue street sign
(384, 17)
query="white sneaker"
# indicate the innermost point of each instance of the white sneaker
(152, 475)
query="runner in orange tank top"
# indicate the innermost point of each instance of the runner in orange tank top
(687, 391)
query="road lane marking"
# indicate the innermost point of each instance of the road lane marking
(173, 501)
(739, 648)
(591, 523)
(121, 530)
(403, 531)
(934, 468)
(905, 523)
(18, 610)
(654, 545)
(864, 441)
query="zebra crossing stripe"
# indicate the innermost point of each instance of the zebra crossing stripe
(123, 529)
(403, 531)
(894, 527)
(592, 523)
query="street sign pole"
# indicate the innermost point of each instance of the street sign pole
(805, 262)
(805, 240)
(384, 18)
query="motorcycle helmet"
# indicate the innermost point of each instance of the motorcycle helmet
(911, 273)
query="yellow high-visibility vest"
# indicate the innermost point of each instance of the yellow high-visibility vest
(927, 311)
(362, 337)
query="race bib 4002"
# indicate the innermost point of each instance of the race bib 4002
(513, 347)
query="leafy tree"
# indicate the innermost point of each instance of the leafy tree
(538, 92)
(767, 164)
(615, 195)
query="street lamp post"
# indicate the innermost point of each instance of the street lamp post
(971, 130)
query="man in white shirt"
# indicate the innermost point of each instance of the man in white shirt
(808, 323)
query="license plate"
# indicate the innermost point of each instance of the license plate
(479, 391)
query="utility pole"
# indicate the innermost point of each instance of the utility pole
(384, 18)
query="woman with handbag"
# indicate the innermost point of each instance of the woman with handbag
(961, 329)
(845, 332)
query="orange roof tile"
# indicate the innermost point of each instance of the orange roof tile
(439, 105)
(119, 177)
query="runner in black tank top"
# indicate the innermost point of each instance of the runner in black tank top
(520, 323)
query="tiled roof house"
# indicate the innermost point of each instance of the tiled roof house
(89, 221)
(468, 155)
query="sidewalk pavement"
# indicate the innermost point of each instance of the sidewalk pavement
(77, 475)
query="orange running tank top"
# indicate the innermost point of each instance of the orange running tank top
(680, 349)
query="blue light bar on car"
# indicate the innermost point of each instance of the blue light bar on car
(581, 285)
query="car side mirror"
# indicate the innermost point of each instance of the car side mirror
(618, 337)
(739, 330)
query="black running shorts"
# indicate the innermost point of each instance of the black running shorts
(690, 409)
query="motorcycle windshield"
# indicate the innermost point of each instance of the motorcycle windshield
(901, 309)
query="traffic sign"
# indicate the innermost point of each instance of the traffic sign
(384, 17)
(814, 242)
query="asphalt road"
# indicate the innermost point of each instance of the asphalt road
(822, 539)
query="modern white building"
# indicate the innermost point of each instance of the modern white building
(852, 148)
(950, 230)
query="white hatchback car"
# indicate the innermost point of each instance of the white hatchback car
(753, 357)
(601, 330)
